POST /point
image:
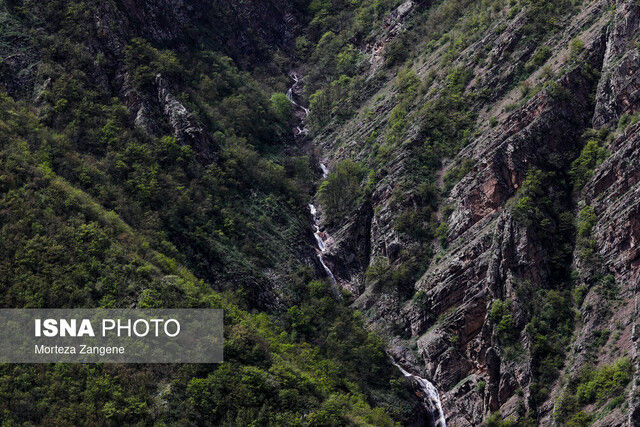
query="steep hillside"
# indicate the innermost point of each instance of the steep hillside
(472, 171)
(147, 160)
(492, 236)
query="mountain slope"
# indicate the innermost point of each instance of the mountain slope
(141, 167)
(479, 213)
(486, 254)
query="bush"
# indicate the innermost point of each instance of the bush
(395, 52)
(502, 318)
(581, 419)
(407, 84)
(591, 386)
(585, 222)
(533, 204)
(601, 384)
(144, 62)
(496, 420)
(576, 46)
(590, 157)
(550, 329)
(539, 57)
(542, 15)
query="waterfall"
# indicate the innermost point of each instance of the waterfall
(322, 247)
(432, 398)
(317, 233)
(431, 394)
(297, 80)
(325, 170)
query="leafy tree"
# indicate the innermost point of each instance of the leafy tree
(342, 191)
(590, 157)
(281, 106)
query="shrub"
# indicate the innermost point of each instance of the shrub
(502, 318)
(605, 382)
(576, 46)
(145, 61)
(590, 386)
(539, 57)
(542, 15)
(407, 84)
(580, 419)
(320, 106)
(607, 287)
(347, 61)
(579, 294)
(533, 203)
(585, 222)
(395, 51)
(582, 168)
(442, 233)
(550, 329)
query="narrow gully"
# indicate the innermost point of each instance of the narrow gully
(431, 399)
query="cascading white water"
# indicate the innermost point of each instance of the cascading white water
(325, 170)
(322, 247)
(296, 80)
(318, 234)
(431, 394)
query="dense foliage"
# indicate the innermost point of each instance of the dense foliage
(342, 191)
(593, 386)
(104, 203)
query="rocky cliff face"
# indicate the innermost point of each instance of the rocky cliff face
(445, 330)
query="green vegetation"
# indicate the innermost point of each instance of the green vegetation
(104, 203)
(627, 120)
(576, 46)
(281, 106)
(538, 59)
(342, 191)
(584, 242)
(335, 100)
(501, 317)
(446, 121)
(550, 329)
(395, 52)
(592, 386)
(100, 209)
(539, 206)
(65, 250)
(323, 348)
(333, 83)
(542, 15)
(532, 204)
(593, 154)
(384, 277)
